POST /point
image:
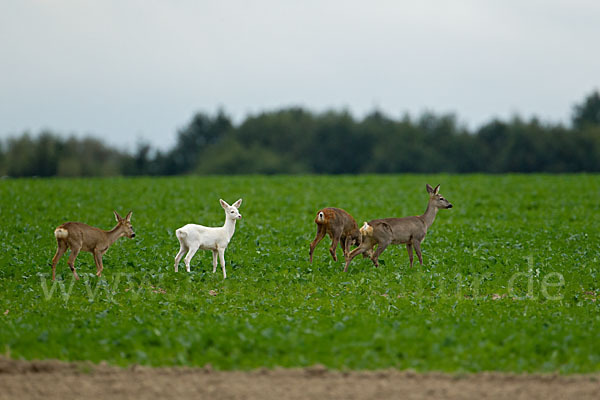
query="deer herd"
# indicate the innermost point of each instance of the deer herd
(335, 222)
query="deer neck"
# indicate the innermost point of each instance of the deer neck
(429, 215)
(114, 234)
(229, 227)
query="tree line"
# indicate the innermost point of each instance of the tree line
(297, 141)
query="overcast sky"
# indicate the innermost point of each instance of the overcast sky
(128, 70)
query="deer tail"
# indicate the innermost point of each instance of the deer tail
(61, 233)
(180, 233)
(320, 217)
(366, 229)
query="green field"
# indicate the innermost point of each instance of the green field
(510, 281)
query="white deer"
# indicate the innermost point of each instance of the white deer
(193, 237)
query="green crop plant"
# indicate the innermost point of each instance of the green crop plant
(510, 280)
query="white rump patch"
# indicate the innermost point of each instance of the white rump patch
(366, 229)
(61, 233)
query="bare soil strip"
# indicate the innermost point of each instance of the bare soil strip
(59, 380)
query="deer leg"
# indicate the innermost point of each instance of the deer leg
(222, 259)
(359, 250)
(188, 257)
(62, 247)
(409, 248)
(347, 241)
(417, 245)
(320, 235)
(215, 254)
(335, 238)
(71, 262)
(98, 259)
(182, 249)
(380, 249)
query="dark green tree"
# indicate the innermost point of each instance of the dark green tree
(588, 112)
(295, 140)
(202, 132)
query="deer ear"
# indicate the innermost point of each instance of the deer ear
(238, 203)
(223, 203)
(117, 216)
(429, 188)
(128, 217)
(436, 190)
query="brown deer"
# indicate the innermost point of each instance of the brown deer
(341, 228)
(78, 236)
(409, 230)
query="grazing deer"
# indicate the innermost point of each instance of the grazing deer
(409, 230)
(193, 237)
(78, 236)
(340, 226)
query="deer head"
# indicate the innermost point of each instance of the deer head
(124, 225)
(436, 199)
(231, 212)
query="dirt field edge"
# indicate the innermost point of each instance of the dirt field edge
(51, 379)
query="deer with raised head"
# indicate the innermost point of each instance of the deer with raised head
(408, 230)
(341, 228)
(193, 237)
(78, 236)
